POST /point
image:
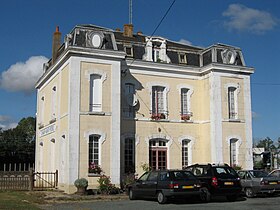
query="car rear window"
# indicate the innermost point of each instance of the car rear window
(183, 175)
(258, 174)
(225, 172)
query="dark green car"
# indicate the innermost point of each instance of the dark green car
(166, 184)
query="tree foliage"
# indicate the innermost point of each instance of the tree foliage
(17, 145)
(267, 144)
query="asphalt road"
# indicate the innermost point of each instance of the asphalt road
(260, 203)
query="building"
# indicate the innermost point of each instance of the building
(121, 100)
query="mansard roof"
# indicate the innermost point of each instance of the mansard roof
(136, 46)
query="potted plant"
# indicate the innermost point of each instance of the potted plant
(81, 185)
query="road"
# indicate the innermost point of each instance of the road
(262, 203)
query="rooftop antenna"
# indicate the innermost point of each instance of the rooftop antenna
(130, 12)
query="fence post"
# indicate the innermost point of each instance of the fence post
(56, 178)
(31, 179)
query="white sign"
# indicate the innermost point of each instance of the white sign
(47, 130)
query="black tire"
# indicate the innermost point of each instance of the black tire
(131, 195)
(205, 195)
(232, 198)
(161, 198)
(249, 192)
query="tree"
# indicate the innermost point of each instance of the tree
(18, 144)
(267, 144)
(268, 154)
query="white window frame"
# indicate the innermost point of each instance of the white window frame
(234, 89)
(42, 110)
(95, 138)
(191, 142)
(102, 139)
(185, 153)
(165, 95)
(130, 48)
(189, 94)
(158, 148)
(103, 76)
(156, 57)
(184, 60)
(233, 152)
(53, 103)
(238, 143)
(95, 104)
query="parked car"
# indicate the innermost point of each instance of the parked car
(257, 181)
(275, 173)
(165, 184)
(218, 179)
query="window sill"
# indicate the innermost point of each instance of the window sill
(159, 120)
(94, 175)
(186, 121)
(234, 120)
(96, 113)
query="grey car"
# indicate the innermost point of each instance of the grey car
(258, 182)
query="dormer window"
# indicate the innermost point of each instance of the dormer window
(182, 58)
(156, 55)
(155, 50)
(128, 50)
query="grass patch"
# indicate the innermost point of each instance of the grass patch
(20, 200)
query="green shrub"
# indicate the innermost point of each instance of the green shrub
(106, 187)
(128, 180)
(146, 167)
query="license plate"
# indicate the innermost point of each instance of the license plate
(228, 183)
(273, 183)
(187, 187)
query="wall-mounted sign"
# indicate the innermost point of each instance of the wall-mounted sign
(47, 130)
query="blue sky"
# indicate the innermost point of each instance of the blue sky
(254, 26)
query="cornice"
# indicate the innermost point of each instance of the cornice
(80, 52)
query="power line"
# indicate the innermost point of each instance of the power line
(167, 11)
(163, 18)
(265, 84)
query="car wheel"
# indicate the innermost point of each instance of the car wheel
(205, 195)
(249, 192)
(131, 195)
(161, 198)
(232, 198)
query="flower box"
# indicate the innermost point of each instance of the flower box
(94, 168)
(186, 117)
(158, 116)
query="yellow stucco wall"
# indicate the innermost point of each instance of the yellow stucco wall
(94, 123)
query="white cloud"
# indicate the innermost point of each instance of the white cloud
(6, 123)
(255, 115)
(23, 76)
(8, 126)
(242, 18)
(4, 118)
(184, 41)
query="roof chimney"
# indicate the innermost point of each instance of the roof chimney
(128, 30)
(55, 43)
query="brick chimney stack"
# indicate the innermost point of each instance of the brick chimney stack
(55, 43)
(128, 30)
